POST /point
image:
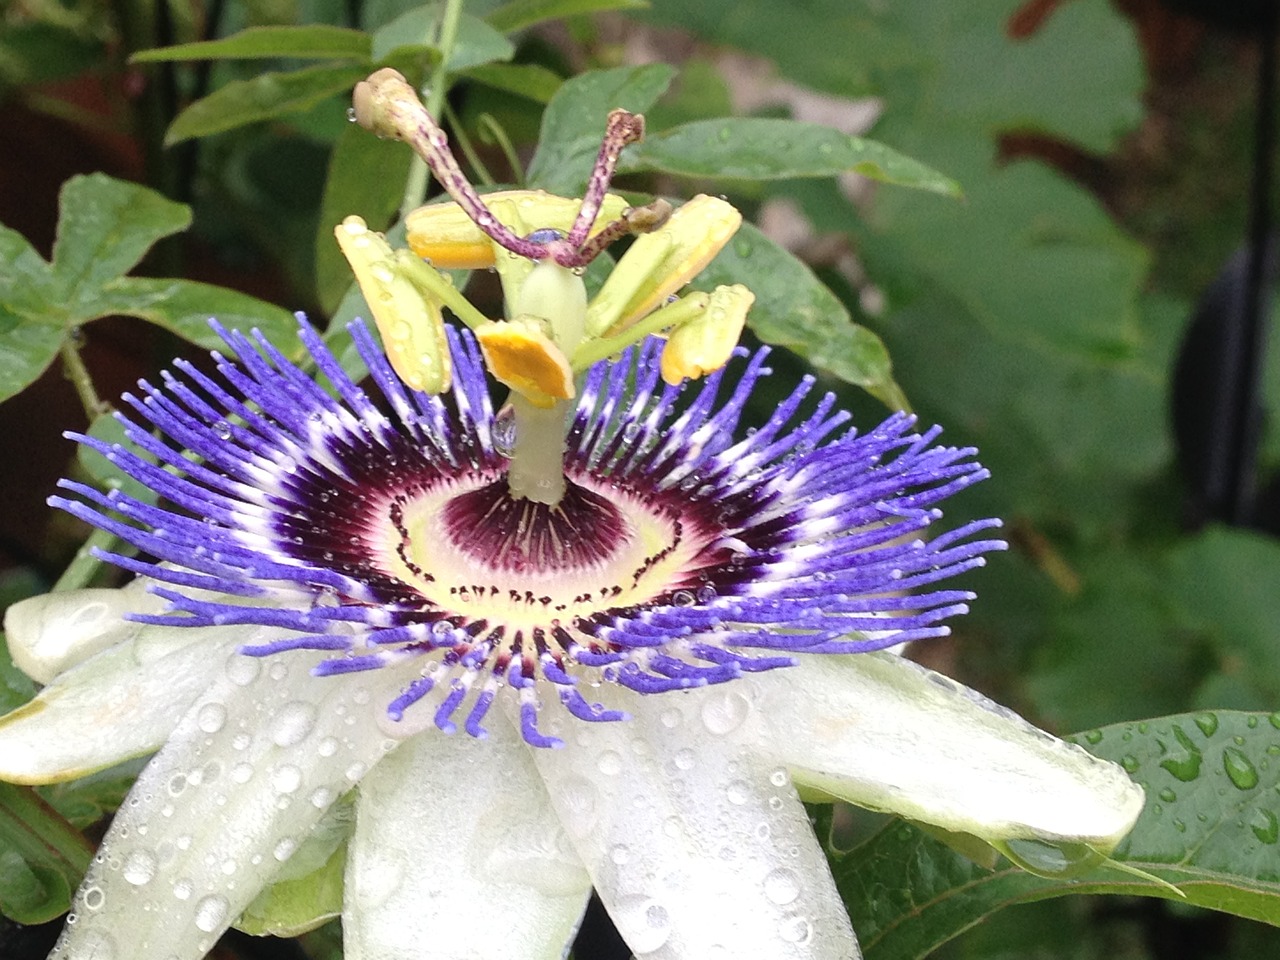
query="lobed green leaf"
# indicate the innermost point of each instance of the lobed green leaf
(185, 307)
(520, 14)
(27, 348)
(1211, 826)
(366, 177)
(265, 97)
(312, 42)
(475, 42)
(105, 227)
(574, 121)
(529, 80)
(762, 148)
(794, 309)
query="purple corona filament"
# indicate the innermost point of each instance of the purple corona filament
(685, 553)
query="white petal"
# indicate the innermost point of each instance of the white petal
(698, 848)
(247, 774)
(885, 733)
(122, 702)
(457, 855)
(53, 632)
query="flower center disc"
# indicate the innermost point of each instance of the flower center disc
(480, 553)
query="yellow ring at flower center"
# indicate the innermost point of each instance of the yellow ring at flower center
(521, 565)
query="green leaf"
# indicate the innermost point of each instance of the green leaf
(1211, 826)
(523, 79)
(759, 148)
(33, 53)
(105, 226)
(474, 43)
(794, 309)
(42, 858)
(27, 286)
(366, 177)
(289, 908)
(184, 307)
(266, 96)
(313, 42)
(574, 122)
(1222, 584)
(16, 688)
(519, 14)
(26, 350)
(86, 800)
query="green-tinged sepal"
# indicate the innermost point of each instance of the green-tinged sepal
(409, 317)
(660, 263)
(705, 343)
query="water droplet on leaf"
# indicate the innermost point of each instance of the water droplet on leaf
(1240, 770)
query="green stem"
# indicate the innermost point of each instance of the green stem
(81, 571)
(78, 374)
(468, 150)
(415, 188)
(494, 129)
(672, 315)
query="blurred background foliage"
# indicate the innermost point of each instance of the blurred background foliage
(1105, 155)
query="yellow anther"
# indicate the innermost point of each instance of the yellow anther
(524, 358)
(444, 234)
(410, 322)
(705, 343)
(660, 263)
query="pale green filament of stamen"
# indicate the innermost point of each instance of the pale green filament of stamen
(673, 314)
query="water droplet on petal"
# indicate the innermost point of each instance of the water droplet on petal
(284, 849)
(242, 670)
(643, 922)
(781, 886)
(724, 710)
(292, 723)
(211, 717)
(139, 867)
(286, 779)
(610, 763)
(796, 930)
(222, 429)
(210, 913)
(94, 898)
